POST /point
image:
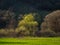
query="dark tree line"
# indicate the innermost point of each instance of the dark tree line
(13, 11)
(28, 24)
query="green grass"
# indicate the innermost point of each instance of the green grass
(30, 41)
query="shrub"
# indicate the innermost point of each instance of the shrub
(47, 33)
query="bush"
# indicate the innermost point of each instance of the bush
(47, 33)
(3, 33)
(7, 33)
(58, 34)
(22, 33)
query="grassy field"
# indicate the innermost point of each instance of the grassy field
(30, 41)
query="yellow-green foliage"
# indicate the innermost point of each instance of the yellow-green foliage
(28, 23)
(28, 18)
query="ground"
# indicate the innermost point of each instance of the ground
(30, 41)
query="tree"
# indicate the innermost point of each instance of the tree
(52, 22)
(7, 19)
(28, 24)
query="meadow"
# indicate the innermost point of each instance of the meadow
(30, 41)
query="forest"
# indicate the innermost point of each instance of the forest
(35, 18)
